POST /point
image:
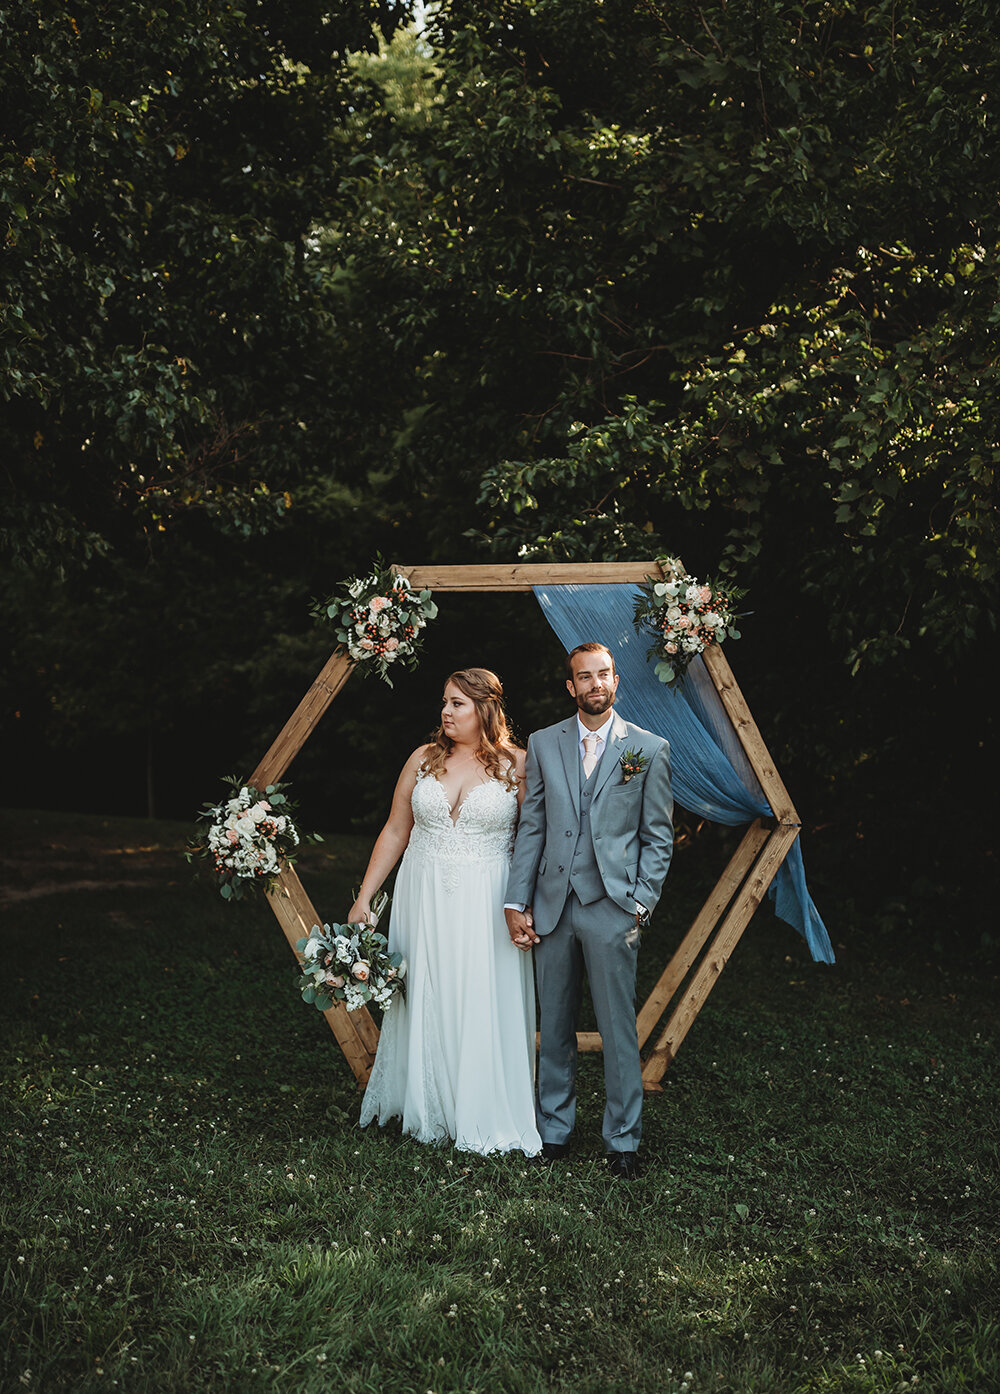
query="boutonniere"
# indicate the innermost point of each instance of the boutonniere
(632, 762)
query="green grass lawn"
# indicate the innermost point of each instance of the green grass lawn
(191, 1206)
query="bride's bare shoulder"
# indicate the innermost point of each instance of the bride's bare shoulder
(416, 760)
(518, 757)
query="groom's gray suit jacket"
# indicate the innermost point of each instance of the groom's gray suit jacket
(608, 837)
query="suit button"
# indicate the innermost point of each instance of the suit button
(561, 868)
(568, 833)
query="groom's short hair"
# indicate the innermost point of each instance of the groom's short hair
(587, 648)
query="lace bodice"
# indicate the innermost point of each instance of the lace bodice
(483, 829)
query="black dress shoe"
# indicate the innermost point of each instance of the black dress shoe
(554, 1151)
(624, 1166)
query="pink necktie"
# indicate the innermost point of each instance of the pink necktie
(589, 755)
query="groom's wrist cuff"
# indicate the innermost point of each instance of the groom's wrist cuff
(514, 905)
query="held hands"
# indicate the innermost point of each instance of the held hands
(521, 929)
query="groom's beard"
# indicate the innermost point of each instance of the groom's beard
(596, 704)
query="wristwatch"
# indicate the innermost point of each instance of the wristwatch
(641, 915)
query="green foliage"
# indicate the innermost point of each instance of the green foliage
(699, 273)
(561, 279)
(161, 329)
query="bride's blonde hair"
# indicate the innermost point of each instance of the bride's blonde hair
(497, 751)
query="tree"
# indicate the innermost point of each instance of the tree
(719, 280)
(163, 332)
(650, 262)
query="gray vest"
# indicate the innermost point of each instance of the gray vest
(584, 875)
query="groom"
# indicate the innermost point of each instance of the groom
(593, 847)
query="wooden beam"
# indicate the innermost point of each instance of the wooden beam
(690, 946)
(704, 922)
(303, 720)
(711, 966)
(356, 1032)
(749, 736)
(521, 576)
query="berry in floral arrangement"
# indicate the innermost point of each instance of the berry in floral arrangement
(684, 616)
(379, 618)
(250, 837)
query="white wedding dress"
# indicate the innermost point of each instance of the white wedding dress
(456, 1057)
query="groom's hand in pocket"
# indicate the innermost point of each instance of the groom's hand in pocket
(520, 927)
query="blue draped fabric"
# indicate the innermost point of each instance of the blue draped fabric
(711, 774)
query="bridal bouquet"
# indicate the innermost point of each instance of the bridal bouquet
(349, 963)
(249, 838)
(379, 618)
(684, 615)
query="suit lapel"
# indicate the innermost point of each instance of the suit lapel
(613, 749)
(570, 751)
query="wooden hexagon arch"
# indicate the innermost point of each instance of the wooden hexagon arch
(729, 907)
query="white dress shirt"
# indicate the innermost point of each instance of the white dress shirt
(583, 731)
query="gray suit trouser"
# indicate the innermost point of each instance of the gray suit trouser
(602, 938)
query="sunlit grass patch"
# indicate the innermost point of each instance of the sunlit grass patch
(190, 1204)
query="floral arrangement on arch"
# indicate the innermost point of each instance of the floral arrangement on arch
(684, 615)
(350, 963)
(250, 837)
(379, 618)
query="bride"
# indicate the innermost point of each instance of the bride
(456, 1056)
